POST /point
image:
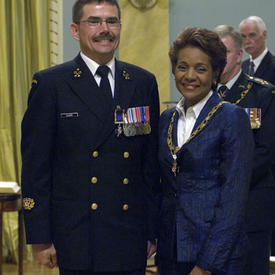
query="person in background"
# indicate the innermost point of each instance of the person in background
(89, 151)
(205, 154)
(255, 95)
(254, 35)
(261, 62)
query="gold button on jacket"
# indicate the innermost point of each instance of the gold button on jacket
(125, 181)
(125, 207)
(94, 206)
(95, 154)
(94, 180)
(126, 155)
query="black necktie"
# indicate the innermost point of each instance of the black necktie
(104, 86)
(251, 68)
(223, 91)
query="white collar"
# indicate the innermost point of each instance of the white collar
(259, 59)
(92, 65)
(195, 108)
(231, 82)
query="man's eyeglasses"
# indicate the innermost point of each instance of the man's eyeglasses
(95, 22)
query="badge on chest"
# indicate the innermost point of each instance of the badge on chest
(254, 115)
(132, 121)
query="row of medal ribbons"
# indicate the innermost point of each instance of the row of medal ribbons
(254, 115)
(133, 121)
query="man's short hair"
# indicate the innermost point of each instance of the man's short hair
(226, 30)
(79, 4)
(255, 19)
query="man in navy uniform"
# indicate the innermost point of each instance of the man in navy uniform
(254, 35)
(89, 151)
(256, 95)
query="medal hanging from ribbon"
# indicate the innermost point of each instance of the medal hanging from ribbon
(147, 126)
(137, 121)
(119, 119)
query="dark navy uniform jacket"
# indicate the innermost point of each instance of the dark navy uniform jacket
(266, 71)
(203, 206)
(86, 190)
(261, 203)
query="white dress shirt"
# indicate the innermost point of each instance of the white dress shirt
(231, 82)
(257, 61)
(92, 65)
(188, 119)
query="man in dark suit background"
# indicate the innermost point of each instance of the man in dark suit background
(89, 153)
(256, 96)
(254, 35)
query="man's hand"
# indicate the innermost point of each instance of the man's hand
(45, 254)
(198, 271)
(151, 249)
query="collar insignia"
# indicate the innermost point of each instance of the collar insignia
(77, 73)
(125, 75)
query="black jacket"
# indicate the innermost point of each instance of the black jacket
(93, 192)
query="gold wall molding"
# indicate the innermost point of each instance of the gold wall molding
(143, 4)
(56, 31)
(145, 41)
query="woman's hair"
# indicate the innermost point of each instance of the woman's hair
(206, 40)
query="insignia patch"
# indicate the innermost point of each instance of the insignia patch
(77, 73)
(28, 203)
(126, 75)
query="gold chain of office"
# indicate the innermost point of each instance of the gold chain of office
(175, 149)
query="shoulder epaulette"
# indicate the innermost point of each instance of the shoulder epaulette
(259, 81)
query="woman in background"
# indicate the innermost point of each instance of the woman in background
(205, 155)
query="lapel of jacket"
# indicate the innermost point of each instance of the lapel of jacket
(238, 87)
(174, 132)
(124, 85)
(84, 86)
(245, 65)
(212, 101)
(165, 150)
(175, 128)
(263, 66)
